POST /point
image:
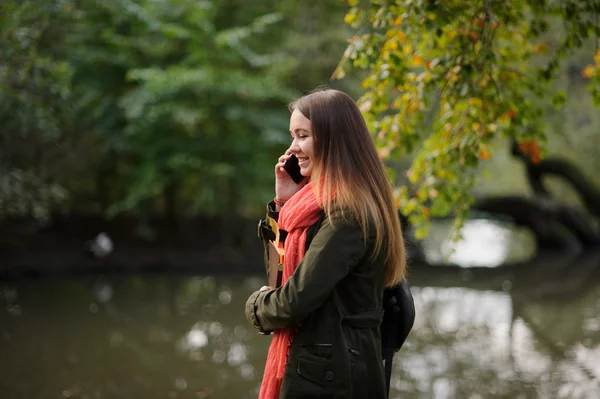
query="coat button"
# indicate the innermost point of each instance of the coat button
(329, 375)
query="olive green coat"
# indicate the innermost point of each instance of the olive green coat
(334, 301)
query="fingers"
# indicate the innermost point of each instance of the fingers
(279, 167)
(285, 157)
(281, 162)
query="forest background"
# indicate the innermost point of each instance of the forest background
(174, 110)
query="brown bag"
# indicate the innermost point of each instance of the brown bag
(275, 267)
(273, 237)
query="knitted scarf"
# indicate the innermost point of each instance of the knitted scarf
(299, 213)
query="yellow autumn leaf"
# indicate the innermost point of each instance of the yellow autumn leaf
(349, 18)
(475, 102)
(338, 73)
(417, 60)
(484, 154)
(588, 71)
(411, 108)
(420, 233)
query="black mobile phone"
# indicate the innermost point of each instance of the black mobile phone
(293, 169)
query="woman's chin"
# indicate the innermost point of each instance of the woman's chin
(306, 172)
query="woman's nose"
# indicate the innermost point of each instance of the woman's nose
(294, 146)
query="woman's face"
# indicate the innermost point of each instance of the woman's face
(302, 142)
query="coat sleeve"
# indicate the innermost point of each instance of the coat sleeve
(333, 252)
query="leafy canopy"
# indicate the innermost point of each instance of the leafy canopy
(153, 107)
(444, 78)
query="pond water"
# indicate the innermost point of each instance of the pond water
(531, 332)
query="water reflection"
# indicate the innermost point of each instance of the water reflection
(485, 242)
(480, 344)
(528, 332)
(144, 337)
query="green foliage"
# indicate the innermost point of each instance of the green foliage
(593, 72)
(445, 78)
(179, 106)
(34, 106)
(188, 103)
(175, 107)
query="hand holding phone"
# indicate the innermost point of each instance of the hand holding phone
(293, 169)
(288, 179)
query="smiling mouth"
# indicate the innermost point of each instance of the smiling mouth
(302, 160)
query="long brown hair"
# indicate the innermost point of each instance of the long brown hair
(350, 174)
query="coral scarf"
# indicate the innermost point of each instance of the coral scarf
(299, 213)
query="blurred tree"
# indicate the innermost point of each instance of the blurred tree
(447, 77)
(35, 96)
(175, 107)
(178, 109)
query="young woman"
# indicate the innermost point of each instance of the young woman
(343, 245)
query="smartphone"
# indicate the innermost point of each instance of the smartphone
(293, 169)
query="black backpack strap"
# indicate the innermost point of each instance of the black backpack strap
(388, 359)
(398, 320)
